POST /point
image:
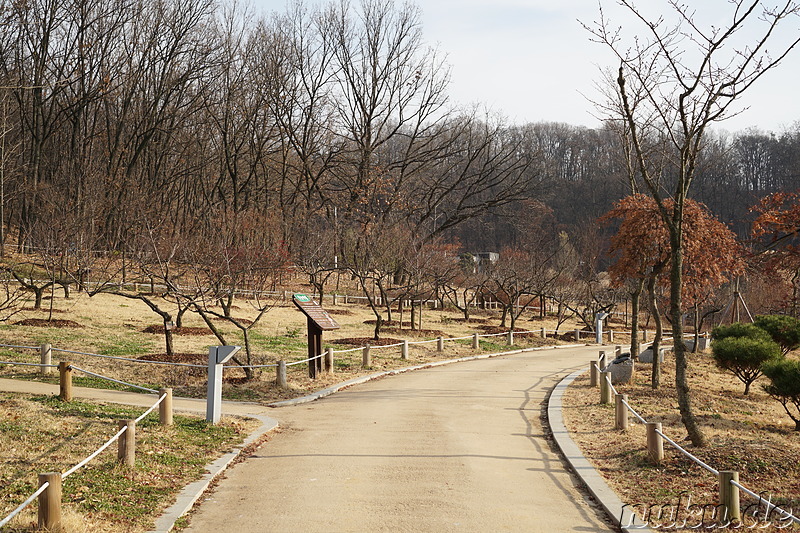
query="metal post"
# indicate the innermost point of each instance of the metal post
(65, 381)
(165, 407)
(50, 501)
(605, 388)
(217, 356)
(620, 412)
(655, 444)
(728, 498)
(126, 452)
(46, 352)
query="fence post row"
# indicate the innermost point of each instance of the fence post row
(126, 451)
(728, 498)
(655, 444)
(280, 378)
(593, 371)
(605, 387)
(329, 361)
(46, 352)
(366, 358)
(50, 501)
(65, 381)
(165, 407)
(620, 412)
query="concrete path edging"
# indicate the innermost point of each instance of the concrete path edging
(597, 486)
(193, 491)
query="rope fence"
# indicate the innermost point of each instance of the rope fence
(73, 367)
(50, 514)
(655, 450)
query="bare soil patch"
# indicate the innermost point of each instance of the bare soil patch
(749, 434)
(44, 323)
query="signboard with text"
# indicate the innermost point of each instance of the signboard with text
(314, 312)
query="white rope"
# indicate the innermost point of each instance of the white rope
(249, 366)
(152, 408)
(27, 364)
(689, 455)
(20, 347)
(24, 504)
(304, 360)
(459, 338)
(112, 379)
(611, 386)
(348, 350)
(95, 454)
(631, 409)
(769, 505)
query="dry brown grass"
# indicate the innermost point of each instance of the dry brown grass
(112, 325)
(749, 434)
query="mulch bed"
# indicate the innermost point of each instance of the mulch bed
(43, 310)
(245, 321)
(361, 341)
(191, 358)
(339, 312)
(494, 330)
(44, 323)
(158, 328)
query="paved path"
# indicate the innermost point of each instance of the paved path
(454, 448)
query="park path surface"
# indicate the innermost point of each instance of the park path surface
(459, 447)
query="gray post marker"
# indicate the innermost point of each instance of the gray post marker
(598, 327)
(217, 356)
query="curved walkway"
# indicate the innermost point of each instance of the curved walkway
(454, 448)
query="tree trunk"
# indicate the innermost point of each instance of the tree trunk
(655, 375)
(681, 382)
(167, 333)
(635, 297)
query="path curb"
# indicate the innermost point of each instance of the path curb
(594, 482)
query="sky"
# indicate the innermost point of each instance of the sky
(532, 61)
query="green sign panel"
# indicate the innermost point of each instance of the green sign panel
(302, 297)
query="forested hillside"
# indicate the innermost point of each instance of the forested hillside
(320, 136)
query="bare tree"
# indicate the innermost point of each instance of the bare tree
(674, 81)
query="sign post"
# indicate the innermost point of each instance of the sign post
(598, 326)
(217, 356)
(318, 321)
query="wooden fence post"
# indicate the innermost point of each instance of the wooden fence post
(610, 336)
(620, 412)
(366, 358)
(577, 335)
(65, 381)
(601, 359)
(728, 498)
(544, 333)
(510, 339)
(593, 370)
(126, 452)
(655, 444)
(46, 352)
(50, 501)
(605, 388)
(476, 343)
(165, 407)
(404, 350)
(280, 378)
(329, 360)
(440, 344)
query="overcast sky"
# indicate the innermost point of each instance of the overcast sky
(530, 60)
